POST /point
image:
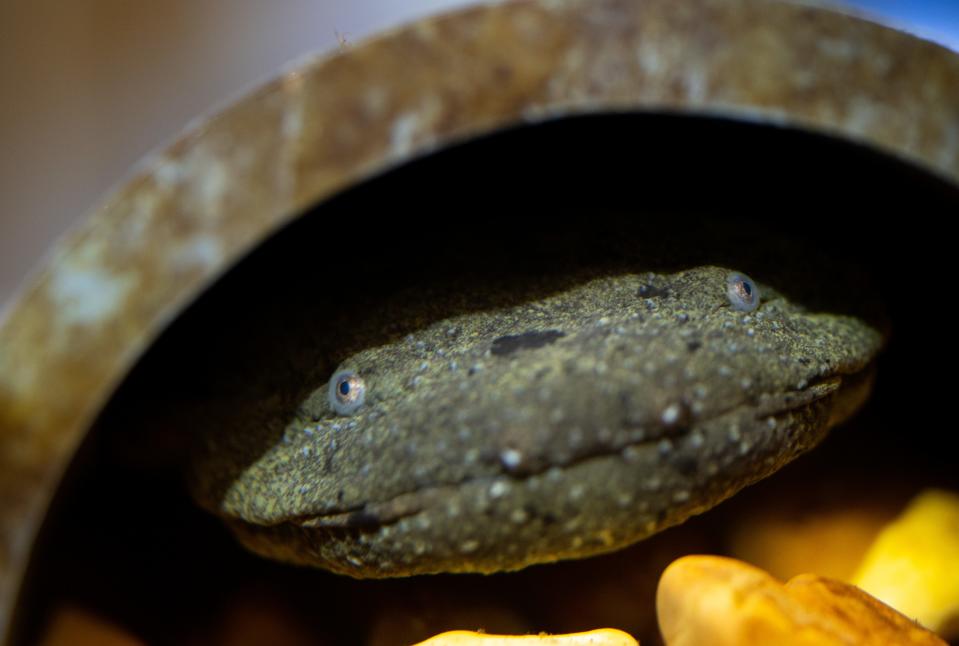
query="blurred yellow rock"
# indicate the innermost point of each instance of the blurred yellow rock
(829, 542)
(409, 623)
(716, 601)
(913, 565)
(602, 637)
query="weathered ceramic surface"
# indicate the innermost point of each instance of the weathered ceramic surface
(227, 183)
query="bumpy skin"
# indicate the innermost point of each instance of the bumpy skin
(577, 419)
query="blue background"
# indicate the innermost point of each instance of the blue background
(936, 20)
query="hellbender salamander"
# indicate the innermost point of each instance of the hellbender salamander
(576, 416)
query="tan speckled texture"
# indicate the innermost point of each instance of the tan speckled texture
(190, 212)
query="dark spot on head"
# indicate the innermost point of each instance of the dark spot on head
(685, 464)
(506, 345)
(652, 291)
(804, 361)
(694, 345)
(363, 520)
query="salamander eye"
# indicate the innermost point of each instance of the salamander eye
(742, 292)
(347, 392)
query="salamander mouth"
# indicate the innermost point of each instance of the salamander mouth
(846, 392)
